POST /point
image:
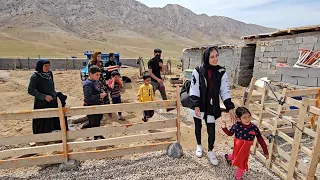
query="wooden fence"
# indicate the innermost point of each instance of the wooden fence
(12, 158)
(288, 127)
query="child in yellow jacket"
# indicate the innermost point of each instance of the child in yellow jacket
(145, 94)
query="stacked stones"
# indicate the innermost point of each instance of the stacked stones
(297, 76)
(270, 52)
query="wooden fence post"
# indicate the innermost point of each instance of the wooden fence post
(315, 155)
(297, 137)
(178, 113)
(251, 87)
(274, 131)
(63, 131)
(264, 95)
(28, 63)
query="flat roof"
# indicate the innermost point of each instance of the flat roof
(283, 32)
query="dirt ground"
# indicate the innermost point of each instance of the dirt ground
(14, 97)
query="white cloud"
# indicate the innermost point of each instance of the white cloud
(271, 13)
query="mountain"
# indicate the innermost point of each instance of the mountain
(111, 20)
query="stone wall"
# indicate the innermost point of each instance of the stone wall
(297, 76)
(238, 62)
(56, 63)
(282, 49)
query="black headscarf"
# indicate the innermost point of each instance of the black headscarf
(206, 57)
(39, 69)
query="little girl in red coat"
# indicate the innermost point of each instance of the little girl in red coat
(244, 132)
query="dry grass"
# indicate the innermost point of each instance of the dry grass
(22, 43)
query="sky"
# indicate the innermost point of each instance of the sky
(270, 13)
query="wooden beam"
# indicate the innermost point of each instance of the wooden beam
(303, 92)
(178, 114)
(30, 150)
(117, 152)
(32, 161)
(63, 131)
(264, 94)
(251, 87)
(103, 109)
(274, 131)
(297, 138)
(87, 110)
(54, 136)
(121, 140)
(315, 154)
(278, 172)
(122, 129)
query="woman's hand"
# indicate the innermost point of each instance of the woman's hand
(232, 116)
(197, 111)
(48, 98)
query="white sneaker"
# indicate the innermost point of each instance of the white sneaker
(199, 151)
(212, 158)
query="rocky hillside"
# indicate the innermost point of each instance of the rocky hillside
(126, 18)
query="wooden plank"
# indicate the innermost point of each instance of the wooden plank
(178, 114)
(121, 129)
(274, 131)
(121, 140)
(314, 110)
(251, 87)
(297, 138)
(310, 132)
(81, 156)
(63, 131)
(30, 150)
(264, 94)
(32, 161)
(303, 92)
(103, 109)
(278, 172)
(315, 154)
(54, 136)
(75, 111)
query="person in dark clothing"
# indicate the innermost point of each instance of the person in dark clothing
(155, 67)
(208, 84)
(93, 95)
(115, 84)
(96, 60)
(41, 86)
(109, 63)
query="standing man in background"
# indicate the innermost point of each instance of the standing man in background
(155, 67)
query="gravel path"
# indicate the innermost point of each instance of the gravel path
(147, 166)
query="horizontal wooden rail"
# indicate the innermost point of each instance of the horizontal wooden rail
(87, 110)
(122, 129)
(54, 136)
(32, 161)
(303, 92)
(86, 144)
(118, 152)
(121, 140)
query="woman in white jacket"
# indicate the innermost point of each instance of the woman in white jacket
(209, 83)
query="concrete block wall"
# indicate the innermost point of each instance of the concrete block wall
(297, 76)
(238, 62)
(56, 63)
(282, 49)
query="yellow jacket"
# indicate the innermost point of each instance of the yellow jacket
(145, 93)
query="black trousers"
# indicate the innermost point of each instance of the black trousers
(211, 130)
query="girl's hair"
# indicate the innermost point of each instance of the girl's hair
(94, 56)
(240, 111)
(94, 69)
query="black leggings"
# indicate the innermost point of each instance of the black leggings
(211, 130)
